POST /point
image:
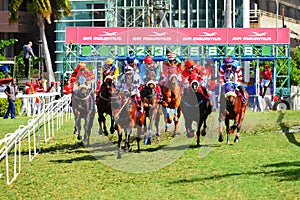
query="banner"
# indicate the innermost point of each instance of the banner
(175, 36)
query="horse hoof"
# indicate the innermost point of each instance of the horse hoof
(221, 138)
(169, 120)
(119, 156)
(175, 119)
(198, 141)
(203, 133)
(78, 137)
(166, 129)
(190, 134)
(105, 133)
(236, 140)
(228, 142)
(157, 134)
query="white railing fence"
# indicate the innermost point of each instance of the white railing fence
(40, 128)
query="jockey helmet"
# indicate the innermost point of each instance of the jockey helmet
(228, 60)
(130, 58)
(52, 83)
(171, 56)
(107, 78)
(28, 83)
(128, 69)
(109, 61)
(189, 63)
(173, 75)
(81, 65)
(151, 82)
(148, 60)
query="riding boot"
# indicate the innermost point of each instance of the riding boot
(241, 90)
(139, 105)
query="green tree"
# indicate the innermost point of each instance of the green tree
(3, 44)
(44, 10)
(295, 68)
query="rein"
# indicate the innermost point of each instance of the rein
(193, 106)
(103, 98)
(85, 98)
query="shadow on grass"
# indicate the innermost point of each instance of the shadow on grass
(290, 136)
(284, 174)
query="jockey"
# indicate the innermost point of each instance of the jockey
(230, 71)
(171, 66)
(130, 82)
(114, 70)
(133, 62)
(147, 67)
(83, 75)
(192, 72)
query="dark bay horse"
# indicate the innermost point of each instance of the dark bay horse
(83, 107)
(232, 108)
(195, 108)
(129, 118)
(152, 109)
(171, 100)
(106, 98)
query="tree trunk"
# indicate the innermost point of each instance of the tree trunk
(48, 63)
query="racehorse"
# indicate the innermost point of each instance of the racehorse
(83, 107)
(104, 101)
(171, 100)
(128, 118)
(232, 108)
(152, 109)
(195, 108)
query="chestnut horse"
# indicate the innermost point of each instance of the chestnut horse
(128, 118)
(171, 100)
(195, 108)
(83, 106)
(232, 108)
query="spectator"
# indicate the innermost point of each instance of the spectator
(68, 87)
(11, 91)
(266, 79)
(25, 100)
(26, 57)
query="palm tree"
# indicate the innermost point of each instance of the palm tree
(44, 10)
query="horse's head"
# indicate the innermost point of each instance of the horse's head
(150, 75)
(83, 91)
(230, 91)
(195, 85)
(173, 79)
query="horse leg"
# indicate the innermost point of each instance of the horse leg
(157, 118)
(112, 125)
(127, 137)
(119, 144)
(167, 118)
(138, 138)
(188, 127)
(176, 119)
(237, 136)
(227, 130)
(100, 121)
(221, 138)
